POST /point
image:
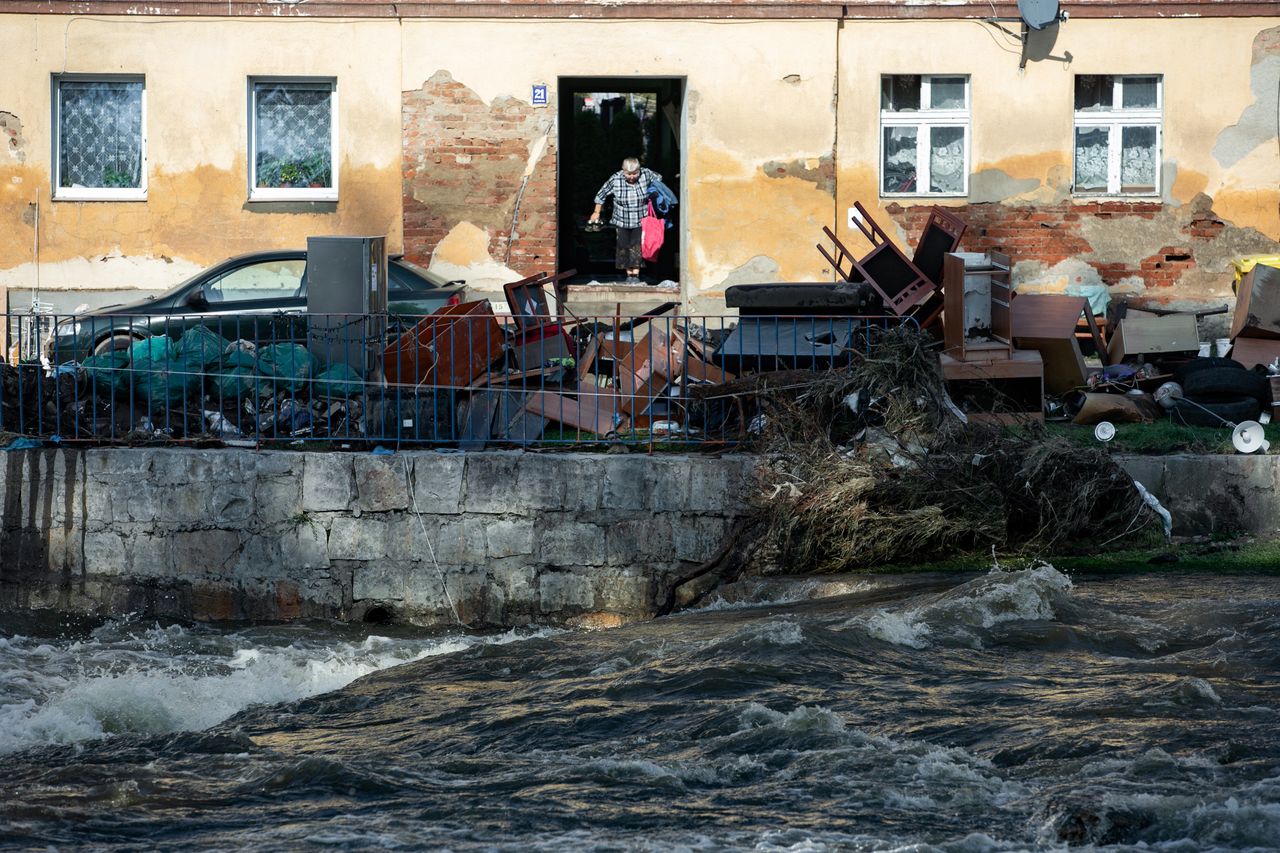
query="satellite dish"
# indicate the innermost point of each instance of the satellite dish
(1038, 14)
(1248, 437)
(1104, 431)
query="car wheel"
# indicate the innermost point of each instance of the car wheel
(115, 342)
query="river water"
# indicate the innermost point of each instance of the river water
(1011, 711)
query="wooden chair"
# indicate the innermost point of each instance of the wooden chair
(897, 280)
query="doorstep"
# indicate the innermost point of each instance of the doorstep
(601, 299)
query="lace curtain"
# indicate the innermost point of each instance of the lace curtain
(100, 134)
(293, 133)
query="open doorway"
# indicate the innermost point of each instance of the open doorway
(602, 121)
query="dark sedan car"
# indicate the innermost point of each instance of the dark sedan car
(260, 297)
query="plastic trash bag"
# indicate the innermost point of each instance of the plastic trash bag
(284, 367)
(338, 380)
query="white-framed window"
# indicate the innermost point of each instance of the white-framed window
(99, 137)
(293, 137)
(1119, 129)
(924, 135)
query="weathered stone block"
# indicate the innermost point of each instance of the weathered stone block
(564, 591)
(628, 591)
(150, 555)
(489, 484)
(228, 503)
(119, 464)
(562, 541)
(540, 483)
(277, 499)
(519, 584)
(624, 483)
(104, 553)
(508, 537)
(328, 482)
(721, 486)
(667, 483)
(381, 483)
(437, 483)
(143, 501)
(200, 552)
(583, 483)
(305, 546)
(637, 540)
(695, 538)
(358, 539)
(180, 467)
(1147, 470)
(260, 556)
(384, 580)
(458, 542)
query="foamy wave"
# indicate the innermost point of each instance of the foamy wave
(774, 632)
(804, 719)
(995, 598)
(154, 684)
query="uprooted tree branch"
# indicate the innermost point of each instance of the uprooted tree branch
(874, 465)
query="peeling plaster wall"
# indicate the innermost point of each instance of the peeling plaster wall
(1221, 166)
(780, 136)
(759, 129)
(196, 212)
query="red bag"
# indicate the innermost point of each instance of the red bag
(651, 234)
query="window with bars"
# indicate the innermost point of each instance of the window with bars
(924, 135)
(293, 137)
(100, 138)
(1118, 130)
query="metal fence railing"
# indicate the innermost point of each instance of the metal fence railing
(460, 377)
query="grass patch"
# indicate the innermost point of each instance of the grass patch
(1160, 437)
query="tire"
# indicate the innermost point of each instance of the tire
(1204, 363)
(1232, 411)
(119, 341)
(1227, 383)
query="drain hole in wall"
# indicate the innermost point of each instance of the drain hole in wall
(377, 616)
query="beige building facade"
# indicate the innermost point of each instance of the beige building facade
(1135, 151)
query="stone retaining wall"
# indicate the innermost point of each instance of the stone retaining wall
(513, 537)
(505, 538)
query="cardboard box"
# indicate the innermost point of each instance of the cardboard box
(1258, 304)
(1136, 336)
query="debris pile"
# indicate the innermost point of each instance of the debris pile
(873, 464)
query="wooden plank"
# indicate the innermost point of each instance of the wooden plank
(1064, 367)
(1046, 315)
(475, 420)
(953, 305)
(592, 410)
(1023, 364)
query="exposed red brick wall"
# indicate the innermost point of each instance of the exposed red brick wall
(1051, 233)
(464, 161)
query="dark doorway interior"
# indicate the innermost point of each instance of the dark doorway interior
(603, 120)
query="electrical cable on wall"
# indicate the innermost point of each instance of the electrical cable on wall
(515, 213)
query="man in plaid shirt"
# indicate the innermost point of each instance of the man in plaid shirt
(630, 190)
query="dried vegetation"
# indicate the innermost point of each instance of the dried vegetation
(873, 465)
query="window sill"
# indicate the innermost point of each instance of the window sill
(295, 195)
(99, 195)
(1152, 196)
(900, 196)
